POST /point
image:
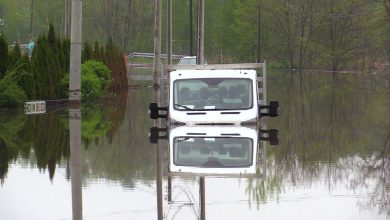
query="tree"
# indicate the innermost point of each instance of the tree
(114, 59)
(3, 56)
(46, 69)
(15, 55)
(87, 52)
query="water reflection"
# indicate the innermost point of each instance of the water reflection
(21, 135)
(335, 130)
(332, 159)
(208, 151)
(43, 140)
(75, 162)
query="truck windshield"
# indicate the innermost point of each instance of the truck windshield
(212, 94)
(210, 152)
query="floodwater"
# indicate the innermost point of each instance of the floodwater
(332, 160)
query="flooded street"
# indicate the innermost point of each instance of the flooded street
(332, 160)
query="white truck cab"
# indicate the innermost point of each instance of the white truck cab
(213, 97)
(213, 150)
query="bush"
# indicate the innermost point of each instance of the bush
(100, 70)
(11, 94)
(95, 78)
(3, 56)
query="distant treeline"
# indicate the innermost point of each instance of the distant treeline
(45, 75)
(326, 34)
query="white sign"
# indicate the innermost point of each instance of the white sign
(35, 107)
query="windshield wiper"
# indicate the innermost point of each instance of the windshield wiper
(183, 106)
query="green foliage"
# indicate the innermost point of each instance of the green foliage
(11, 94)
(97, 53)
(10, 143)
(65, 62)
(47, 68)
(302, 33)
(48, 138)
(3, 55)
(87, 52)
(94, 123)
(95, 78)
(15, 55)
(51, 36)
(115, 60)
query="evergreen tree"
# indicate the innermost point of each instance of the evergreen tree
(3, 56)
(46, 68)
(66, 51)
(15, 56)
(115, 61)
(26, 81)
(51, 36)
(87, 52)
(98, 52)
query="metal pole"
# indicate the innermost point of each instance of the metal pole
(169, 32)
(201, 33)
(75, 162)
(259, 31)
(75, 52)
(169, 189)
(157, 99)
(157, 50)
(202, 193)
(265, 93)
(159, 185)
(191, 31)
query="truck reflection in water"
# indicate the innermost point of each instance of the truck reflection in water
(210, 151)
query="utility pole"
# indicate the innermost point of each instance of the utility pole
(75, 162)
(75, 52)
(258, 31)
(31, 18)
(157, 99)
(157, 50)
(169, 32)
(202, 199)
(200, 58)
(191, 31)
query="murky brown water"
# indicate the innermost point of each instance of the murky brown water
(332, 160)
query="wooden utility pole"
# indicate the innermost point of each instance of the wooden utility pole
(200, 58)
(169, 32)
(157, 50)
(202, 199)
(75, 52)
(75, 162)
(191, 31)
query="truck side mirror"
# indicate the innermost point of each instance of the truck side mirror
(154, 111)
(271, 136)
(273, 108)
(154, 134)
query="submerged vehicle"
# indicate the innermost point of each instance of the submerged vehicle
(187, 60)
(210, 150)
(213, 96)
